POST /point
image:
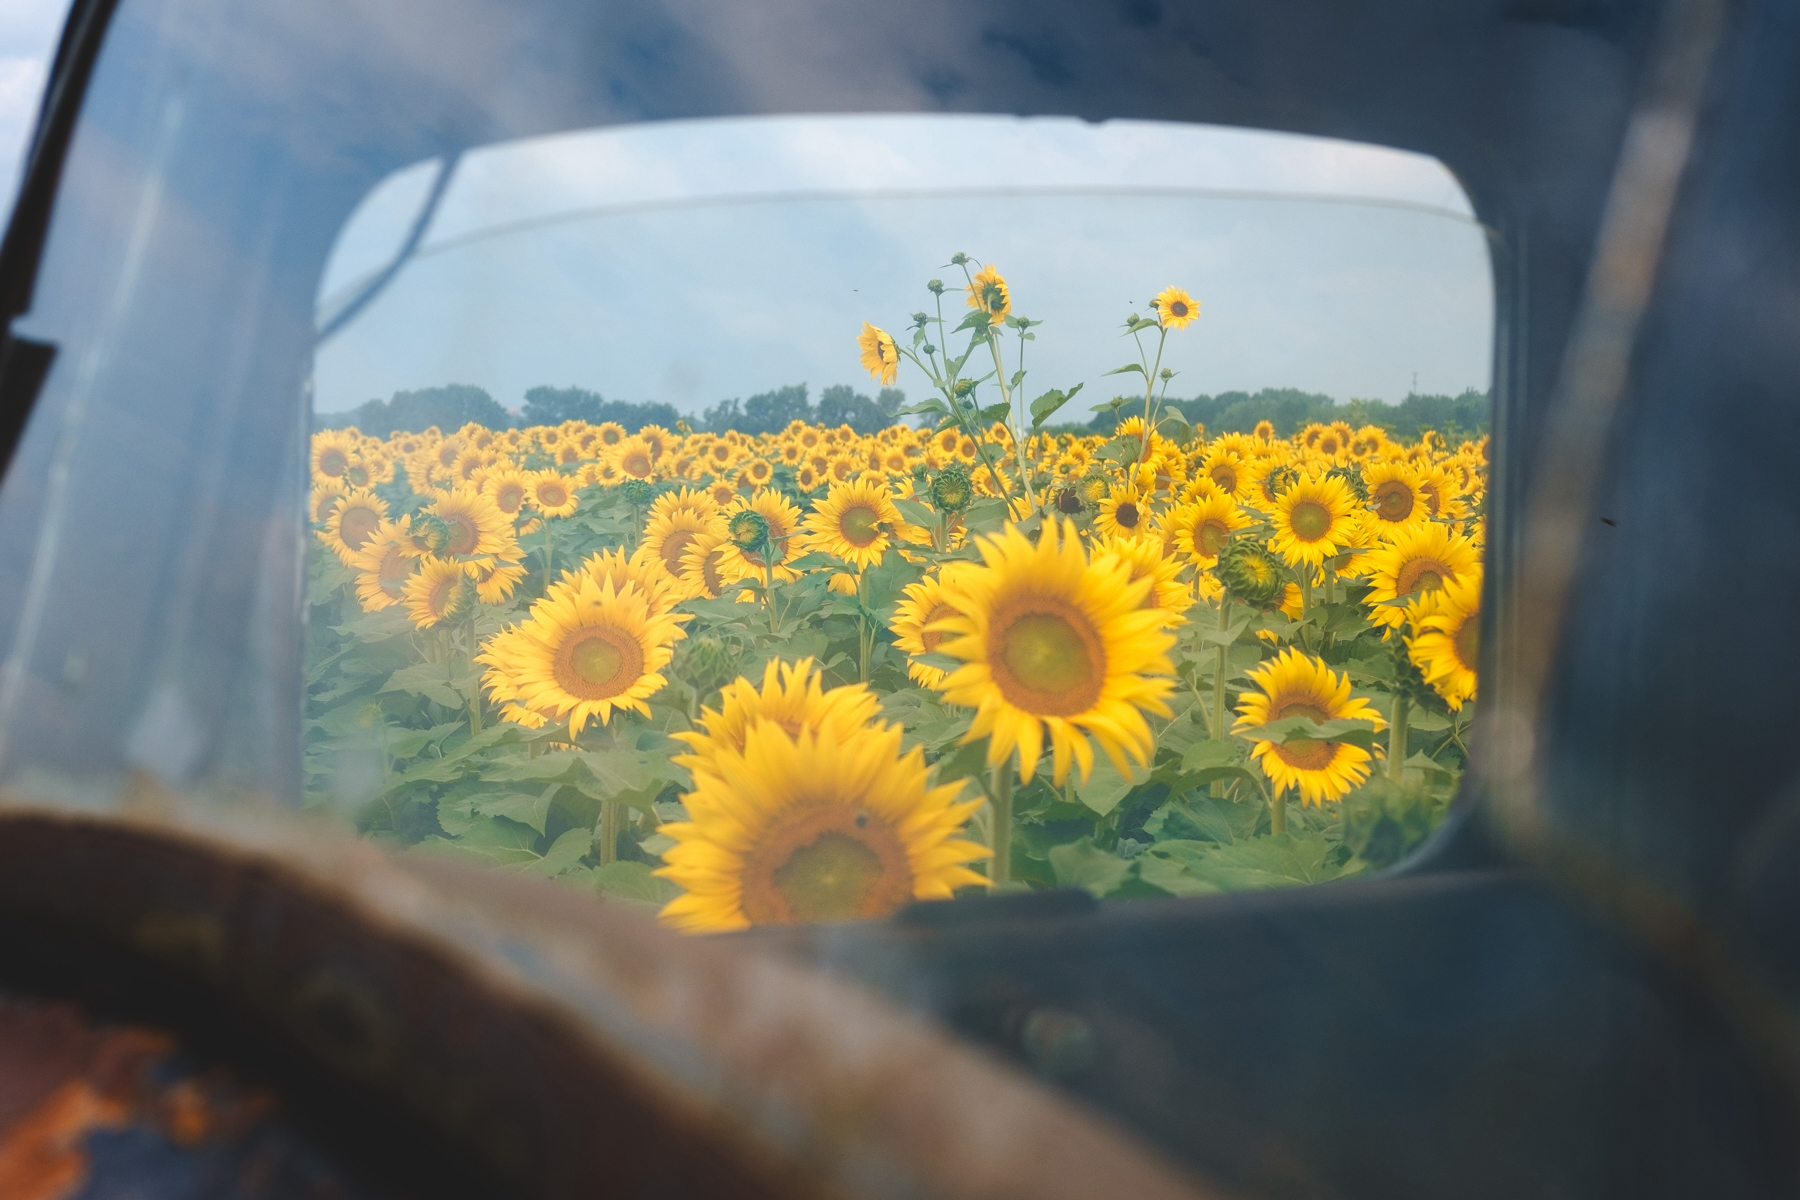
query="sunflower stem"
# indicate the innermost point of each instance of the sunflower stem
(608, 850)
(1018, 441)
(863, 641)
(1150, 395)
(1278, 814)
(1001, 796)
(1219, 671)
(1397, 737)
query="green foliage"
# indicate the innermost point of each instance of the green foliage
(449, 407)
(1291, 410)
(553, 406)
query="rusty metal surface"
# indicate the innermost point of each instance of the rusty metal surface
(567, 1046)
(89, 1110)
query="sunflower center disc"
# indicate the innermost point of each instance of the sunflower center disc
(833, 863)
(1396, 501)
(1126, 515)
(553, 496)
(858, 526)
(1212, 539)
(1305, 754)
(1424, 575)
(1468, 641)
(929, 639)
(1310, 520)
(595, 664)
(509, 498)
(357, 527)
(1225, 477)
(673, 547)
(1049, 666)
(463, 535)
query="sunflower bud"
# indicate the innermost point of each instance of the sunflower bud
(637, 493)
(708, 664)
(748, 531)
(1251, 574)
(429, 533)
(461, 600)
(1409, 681)
(1280, 480)
(958, 259)
(952, 490)
(1353, 479)
(1068, 500)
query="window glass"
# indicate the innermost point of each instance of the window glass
(791, 519)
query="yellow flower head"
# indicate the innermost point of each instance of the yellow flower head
(1447, 647)
(792, 696)
(855, 522)
(988, 293)
(1175, 308)
(1056, 648)
(1297, 685)
(807, 827)
(1411, 561)
(586, 651)
(880, 358)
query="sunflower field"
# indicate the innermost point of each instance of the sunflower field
(820, 675)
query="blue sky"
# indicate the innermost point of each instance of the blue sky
(655, 263)
(693, 261)
(28, 33)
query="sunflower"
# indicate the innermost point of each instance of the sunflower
(1447, 647)
(1226, 468)
(702, 565)
(669, 533)
(1297, 685)
(1414, 560)
(759, 471)
(474, 524)
(1441, 494)
(585, 651)
(1203, 527)
(1053, 646)
(793, 696)
(880, 358)
(805, 828)
(507, 488)
(1394, 495)
(783, 521)
(495, 578)
(1313, 520)
(854, 522)
(634, 458)
(988, 293)
(355, 520)
(551, 494)
(1123, 514)
(1175, 308)
(1144, 559)
(921, 606)
(383, 566)
(332, 451)
(722, 494)
(441, 590)
(1269, 478)
(325, 498)
(642, 569)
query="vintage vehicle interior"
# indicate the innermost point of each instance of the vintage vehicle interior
(247, 945)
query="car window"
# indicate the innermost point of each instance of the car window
(771, 520)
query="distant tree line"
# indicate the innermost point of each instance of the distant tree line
(1291, 410)
(769, 412)
(454, 405)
